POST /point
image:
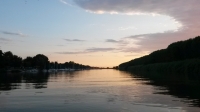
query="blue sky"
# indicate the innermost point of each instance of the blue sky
(94, 32)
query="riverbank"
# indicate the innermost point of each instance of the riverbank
(182, 57)
(36, 70)
(186, 67)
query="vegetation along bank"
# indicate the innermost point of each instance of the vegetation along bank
(181, 57)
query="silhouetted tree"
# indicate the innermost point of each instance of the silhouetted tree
(182, 50)
(28, 62)
(1, 59)
(8, 59)
(40, 61)
(16, 61)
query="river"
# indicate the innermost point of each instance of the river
(94, 91)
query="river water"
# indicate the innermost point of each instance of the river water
(94, 91)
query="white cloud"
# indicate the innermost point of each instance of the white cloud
(65, 2)
(96, 12)
(123, 28)
(185, 13)
(127, 28)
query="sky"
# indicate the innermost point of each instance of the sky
(101, 33)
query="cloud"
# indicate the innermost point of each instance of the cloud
(13, 33)
(112, 41)
(70, 53)
(121, 42)
(74, 40)
(123, 28)
(185, 13)
(155, 41)
(99, 49)
(127, 28)
(5, 39)
(89, 50)
(64, 2)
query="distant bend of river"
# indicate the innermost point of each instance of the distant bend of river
(92, 91)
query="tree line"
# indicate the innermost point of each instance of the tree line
(185, 53)
(8, 61)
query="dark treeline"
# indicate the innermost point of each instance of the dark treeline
(182, 56)
(10, 61)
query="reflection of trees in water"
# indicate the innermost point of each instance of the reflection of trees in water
(38, 81)
(66, 74)
(181, 87)
(10, 81)
(14, 81)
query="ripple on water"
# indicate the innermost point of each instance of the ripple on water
(92, 90)
(74, 98)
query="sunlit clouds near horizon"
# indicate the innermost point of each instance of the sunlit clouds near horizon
(95, 32)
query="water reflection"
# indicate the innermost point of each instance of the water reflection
(173, 84)
(10, 81)
(98, 90)
(14, 81)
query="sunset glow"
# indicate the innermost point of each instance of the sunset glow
(95, 32)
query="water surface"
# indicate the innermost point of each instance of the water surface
(94, 91)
